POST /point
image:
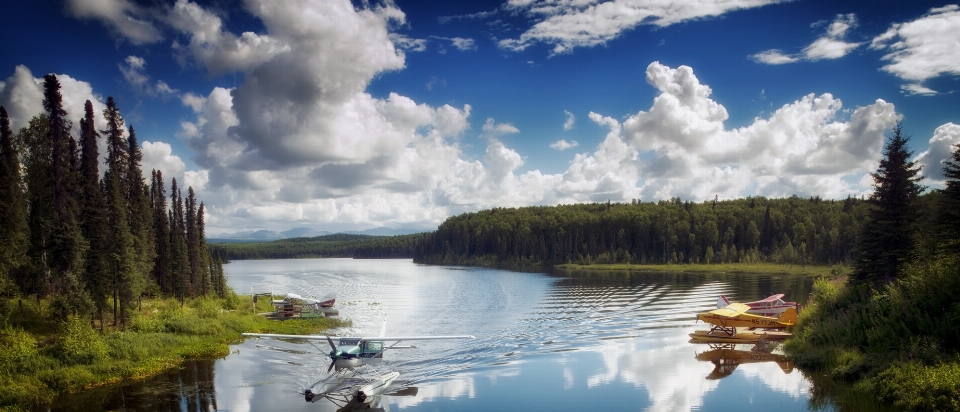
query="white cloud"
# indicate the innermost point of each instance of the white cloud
(568, 124)
(563, 144)
(494, 129)
(408, 43)
(829, 46)
(924, 48)
(133, 73)
(219, 51)
(121, 16)
(914, 88)
(941, 146)
(463, 44)
(587, 23)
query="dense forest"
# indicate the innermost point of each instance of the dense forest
(94, 240)
(337, 245)
(756, 229)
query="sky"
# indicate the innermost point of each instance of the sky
(338, 115)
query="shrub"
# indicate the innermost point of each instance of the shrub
(79, 344)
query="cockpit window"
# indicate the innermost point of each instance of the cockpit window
(374, 346)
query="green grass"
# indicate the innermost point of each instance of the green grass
(41, 357)
(758, 268)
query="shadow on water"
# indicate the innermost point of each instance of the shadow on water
(187, 389)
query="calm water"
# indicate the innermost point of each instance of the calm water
(564, 341)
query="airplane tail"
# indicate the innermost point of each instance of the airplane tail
(383, 329)
(788, 317)
(722, 302)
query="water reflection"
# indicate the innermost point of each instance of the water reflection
(565, 340)
(727, 357)
(188, 389)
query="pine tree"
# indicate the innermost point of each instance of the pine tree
(14, 237)
(886, 236)
(93, 208)
(122, 262)
(203, 254)
(66, 243)
(161, 225)
(36, 156)
(948, 218)
(139, 215)
(180, 263)
(193, 242)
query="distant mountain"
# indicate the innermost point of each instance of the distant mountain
(268, 235)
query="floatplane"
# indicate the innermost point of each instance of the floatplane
(732, 324)
(344, 386)
(772, 305)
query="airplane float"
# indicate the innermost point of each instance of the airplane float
(345, 385)
(728, 319)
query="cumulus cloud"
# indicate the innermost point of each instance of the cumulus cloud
(924, 48)
(120, 16)
(944, 139)
(216, 49)
(832, 45)
(587, 23)
(133, 69)
(563, 144)
(568, 124)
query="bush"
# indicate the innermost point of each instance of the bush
(79, 344)
(921, 388)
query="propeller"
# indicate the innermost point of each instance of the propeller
(334, 354)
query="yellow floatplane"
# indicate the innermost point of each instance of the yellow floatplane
(728, 319)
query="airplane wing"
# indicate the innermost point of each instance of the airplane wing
(362, 338)
(731, 311)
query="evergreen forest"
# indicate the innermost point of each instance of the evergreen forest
(94, 240)
(327, 246)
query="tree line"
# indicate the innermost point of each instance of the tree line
(754, 229)
(90, 241)
(336, 245)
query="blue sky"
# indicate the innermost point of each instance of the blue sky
(347, 116)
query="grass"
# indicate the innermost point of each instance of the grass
(759, 268)
(41, 357)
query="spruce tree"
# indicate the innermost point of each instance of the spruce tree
(193, 242)
(33, 139)
(180, 263)
(93, 211)
(886, 236)
(203, 254)
(139, 215)
(948, 217)
(122, 262)
(66, 243)
(14, 237)
(161, 225)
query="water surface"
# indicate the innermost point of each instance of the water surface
(561, 341)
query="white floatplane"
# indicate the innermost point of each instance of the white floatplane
(345, 384)
(772, 305)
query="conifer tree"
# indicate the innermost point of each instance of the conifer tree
(161, 267)
(886, 236)
(180, 263)
(193, 242)
(139, 215)
(122, 262)
(93, 208)
(948, 218)
(66, 243)
(203, 254)
(14, 237)
(36, 155)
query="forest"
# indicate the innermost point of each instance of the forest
(756, 229)
(90, 240)
(336, 245)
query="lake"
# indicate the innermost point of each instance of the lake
(554, 341)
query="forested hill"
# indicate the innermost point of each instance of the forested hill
(337, 245)
(790, 230)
